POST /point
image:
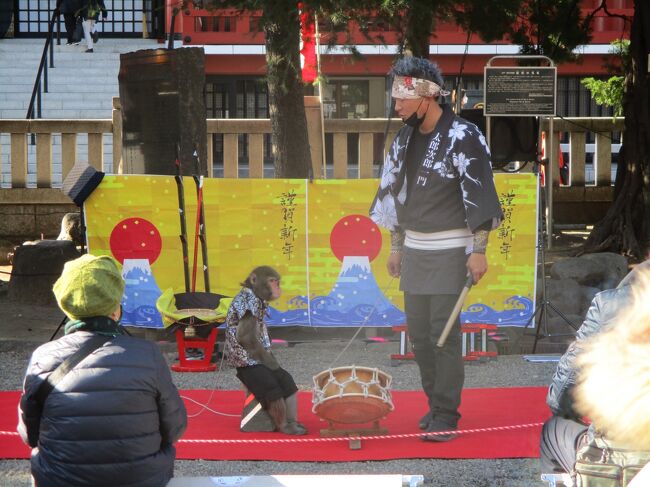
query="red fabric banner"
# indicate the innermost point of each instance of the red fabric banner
(308, 59)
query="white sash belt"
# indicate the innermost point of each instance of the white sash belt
(449, 239)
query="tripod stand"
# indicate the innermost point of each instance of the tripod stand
(541, 310)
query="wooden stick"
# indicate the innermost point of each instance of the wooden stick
(183, 235)
(199, 206)
(455, 312)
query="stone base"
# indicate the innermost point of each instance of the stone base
(36, 267)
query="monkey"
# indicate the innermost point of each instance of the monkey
(250, 350)
(264, 281)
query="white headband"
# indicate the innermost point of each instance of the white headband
(410, 88)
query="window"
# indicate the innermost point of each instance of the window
(237, 98)
(346, 99)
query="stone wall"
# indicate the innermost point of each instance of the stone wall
(573, 283)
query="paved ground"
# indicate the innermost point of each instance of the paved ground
(23, 327)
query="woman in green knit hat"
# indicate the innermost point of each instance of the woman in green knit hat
(114, 417)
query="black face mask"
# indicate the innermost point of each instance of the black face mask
(413, 120)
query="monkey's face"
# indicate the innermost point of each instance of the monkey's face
(274, 288)
(265, 283)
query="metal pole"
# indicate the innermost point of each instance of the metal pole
(52, 50)
(58, 31)
(38, 102)
(45, 90)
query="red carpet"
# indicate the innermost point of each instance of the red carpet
(481, 408)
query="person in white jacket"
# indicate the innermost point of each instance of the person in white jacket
(89, 15)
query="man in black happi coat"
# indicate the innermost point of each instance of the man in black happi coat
(437, 197)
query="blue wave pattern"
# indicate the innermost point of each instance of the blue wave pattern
(324, 313)
(354, 300)
(139, 302)
(517, 311)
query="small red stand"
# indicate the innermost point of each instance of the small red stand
(404, 346)
(475, 338)
(469, 345)
(205, 344)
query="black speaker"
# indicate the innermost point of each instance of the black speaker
(6, 16)
(163, 111)
(511, 138)
(81, 181)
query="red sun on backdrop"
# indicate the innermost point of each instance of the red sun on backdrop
(355, 235)
(135, 238)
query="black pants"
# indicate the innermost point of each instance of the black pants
(559, 444)
(267, 385)
(70, 26)
(441, 369)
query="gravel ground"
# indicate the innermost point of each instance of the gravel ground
(308, 353)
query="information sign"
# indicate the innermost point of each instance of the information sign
(520, 91)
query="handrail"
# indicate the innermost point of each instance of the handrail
(42, 67)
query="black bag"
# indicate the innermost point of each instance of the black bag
(78, 31)
(600, 463)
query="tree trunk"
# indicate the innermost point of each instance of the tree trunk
(419, 25)
(626, 226)
(290, 142)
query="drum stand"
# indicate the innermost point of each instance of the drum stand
(332, 431)
(353, 434)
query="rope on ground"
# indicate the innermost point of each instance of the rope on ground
(348, 438)
(377, 437)
(205, 407)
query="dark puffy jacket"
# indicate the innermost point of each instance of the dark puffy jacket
(90, 9)
(70, 6)
(111, 421)
(604, 308)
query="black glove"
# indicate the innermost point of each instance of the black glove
(104, 14)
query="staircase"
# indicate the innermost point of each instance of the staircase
(81, 86)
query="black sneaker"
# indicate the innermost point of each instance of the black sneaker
(425, 420)
(95, 36)
(440, 431)
(89, 50)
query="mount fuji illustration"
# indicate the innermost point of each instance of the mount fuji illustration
(354, 299)
(140, 295)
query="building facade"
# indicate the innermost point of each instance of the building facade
(351, 88)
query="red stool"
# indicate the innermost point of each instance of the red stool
(204, 344)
